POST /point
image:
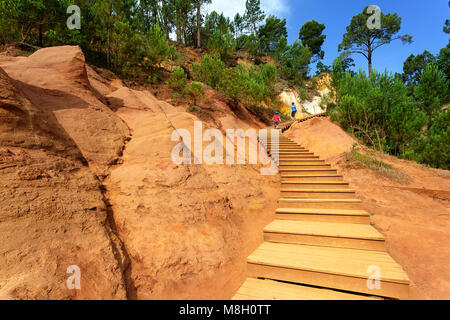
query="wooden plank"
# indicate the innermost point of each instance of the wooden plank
(325, 241)
(324, 211)
(324, 218)
(334, 261)
(314, 184)
(339, 230)
(312, 177)
(318, 193)
(320, 203)
(258, 289)
(342, 282)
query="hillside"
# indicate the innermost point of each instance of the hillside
(89, 178)
(409, 203)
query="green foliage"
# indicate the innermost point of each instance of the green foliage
(115, 34)
(221, 43)
(251, 86)
(433, 149)
(238, 25)
(252, 45)
(413, 68)
(311, 36)
(178, 79)
(362, 40)
(210, 71)
(322, 68)
(432, 91)
(253, 15)
(270, 34)
(214, 22)
(378, 110)
(29, 20)
(294, 60)
(195, 90)
(381, 112)
(443, 61)
(157, 48)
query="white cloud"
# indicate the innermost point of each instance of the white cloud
(231, 7)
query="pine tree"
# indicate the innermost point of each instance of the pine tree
(253, 15)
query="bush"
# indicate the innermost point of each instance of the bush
(178, 79)
(158, 49)
(221, 44)
(432, 91)
(253, 86)
(379, 111)
(195, 90)
(210, 71)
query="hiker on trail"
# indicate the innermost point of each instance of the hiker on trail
(293, 110)
(276, 120)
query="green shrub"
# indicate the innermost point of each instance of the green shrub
(195, 90)
(221, 44)
(210, 71)
(157, 47)
(178, 79)
(379, 111)
(432, 91)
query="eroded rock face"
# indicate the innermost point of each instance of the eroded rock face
(187, 228)
(55, 79)
(52, 213)
(136, 224)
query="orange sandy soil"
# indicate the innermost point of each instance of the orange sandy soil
(87, 180)
(413, 216)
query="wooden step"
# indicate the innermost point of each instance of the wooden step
(312, 177)
(283, 143)
(287, 147)
(319, 193)
(288, 172)
(288, 150)
(319, 203)
(304, 166)
(297, 157)
(339, 268)
(292, 162)
(324, 215)
(297, 154)
(314, 185)
(260, 289)
(340, 235)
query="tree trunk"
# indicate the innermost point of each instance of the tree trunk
(369, 59)
(40, 36)
(164, 12)
(179, 27)
(198, 24)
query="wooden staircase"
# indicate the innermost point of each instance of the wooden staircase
(321, 245)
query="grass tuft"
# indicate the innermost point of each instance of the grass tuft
(370, 161)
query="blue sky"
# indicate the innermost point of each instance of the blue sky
(423, 20)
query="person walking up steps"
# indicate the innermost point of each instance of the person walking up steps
(276, 120)
(293, 110)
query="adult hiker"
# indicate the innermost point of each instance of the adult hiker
(276, 120)
(293, 110)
